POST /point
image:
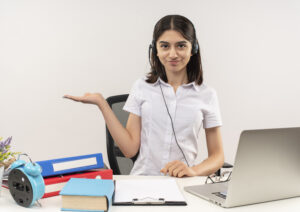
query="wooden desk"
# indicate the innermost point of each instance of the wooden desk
(53, 204)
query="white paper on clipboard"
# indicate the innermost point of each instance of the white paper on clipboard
(128, 190)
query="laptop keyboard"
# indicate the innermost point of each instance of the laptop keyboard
(221, 194)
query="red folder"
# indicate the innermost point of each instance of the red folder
(54, 184)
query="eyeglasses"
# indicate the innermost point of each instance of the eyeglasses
(224, 177)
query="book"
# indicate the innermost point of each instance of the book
(54, 184)
(71, 164)
(81, 194)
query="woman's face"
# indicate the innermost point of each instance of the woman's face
(173, 51)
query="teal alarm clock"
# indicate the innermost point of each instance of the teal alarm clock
(25, 182)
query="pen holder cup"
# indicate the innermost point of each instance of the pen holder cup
(1, 176)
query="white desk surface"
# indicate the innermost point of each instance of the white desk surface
(7, 204)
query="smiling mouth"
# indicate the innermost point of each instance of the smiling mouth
(173, 62)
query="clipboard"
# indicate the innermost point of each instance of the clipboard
(145, 192)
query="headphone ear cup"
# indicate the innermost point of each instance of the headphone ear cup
(32, 169)
(153, 44)
(195, 48)
(153, 48)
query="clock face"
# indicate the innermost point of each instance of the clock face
(20, 188)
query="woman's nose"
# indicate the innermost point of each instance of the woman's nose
(173, 52)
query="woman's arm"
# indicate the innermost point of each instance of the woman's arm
(209, 166)
(127, 139)
(215, 158)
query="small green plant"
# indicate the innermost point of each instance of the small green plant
(6, 155)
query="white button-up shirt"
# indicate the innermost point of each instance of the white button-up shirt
(190, 107)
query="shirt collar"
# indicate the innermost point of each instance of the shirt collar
(191, 84)
(161, 82)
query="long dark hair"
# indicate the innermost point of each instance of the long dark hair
(184, 26)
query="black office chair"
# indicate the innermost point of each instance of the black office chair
(117, 161)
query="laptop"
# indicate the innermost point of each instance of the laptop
(266, 168)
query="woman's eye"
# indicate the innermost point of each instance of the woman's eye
(166, 46)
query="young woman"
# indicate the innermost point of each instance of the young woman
(168, 108)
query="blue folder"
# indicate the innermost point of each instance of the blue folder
(71, 164)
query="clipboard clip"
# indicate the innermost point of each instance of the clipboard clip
(148, 201)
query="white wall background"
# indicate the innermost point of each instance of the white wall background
(48, 48)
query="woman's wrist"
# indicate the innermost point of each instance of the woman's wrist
(100, 102)
(195, 170)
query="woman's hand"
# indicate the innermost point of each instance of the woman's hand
(177, 168)
(89, 98)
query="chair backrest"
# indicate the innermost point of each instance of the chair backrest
(117, 161)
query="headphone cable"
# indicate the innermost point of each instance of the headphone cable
(172, 124)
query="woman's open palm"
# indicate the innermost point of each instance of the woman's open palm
(89, 98)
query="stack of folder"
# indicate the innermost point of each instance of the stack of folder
(57, 172)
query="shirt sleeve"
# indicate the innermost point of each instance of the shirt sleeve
(133, 103)
(212, 115)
